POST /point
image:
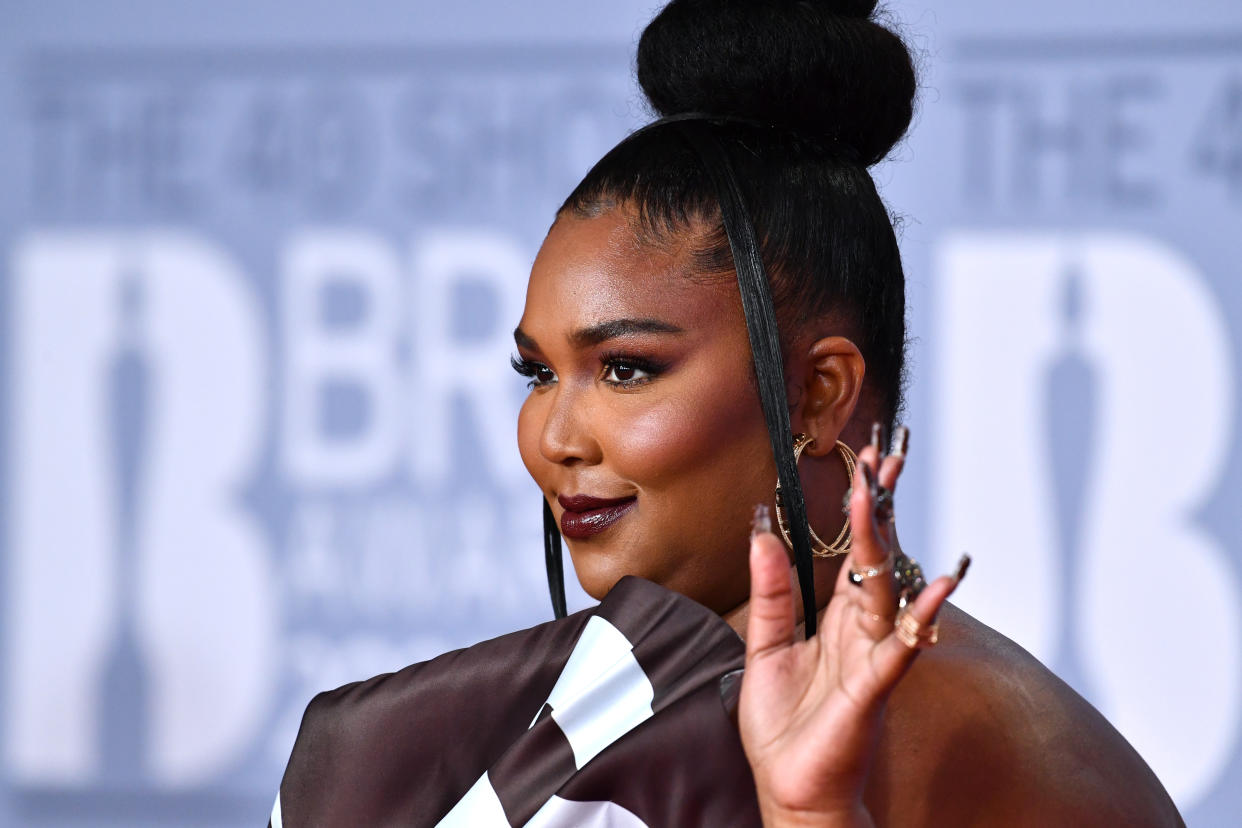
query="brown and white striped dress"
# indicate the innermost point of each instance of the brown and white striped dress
(619, 716)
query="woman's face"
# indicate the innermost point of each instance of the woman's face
(642, 427)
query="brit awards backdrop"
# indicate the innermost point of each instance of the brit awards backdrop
(260, 274)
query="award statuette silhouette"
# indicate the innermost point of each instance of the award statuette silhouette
(124, 684)
(1071, 423)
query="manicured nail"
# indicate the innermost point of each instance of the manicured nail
(869, 476)
(877, 439)
(963, 564)
(903, 441)
(761, 521)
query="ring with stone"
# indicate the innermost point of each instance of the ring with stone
(859, 574)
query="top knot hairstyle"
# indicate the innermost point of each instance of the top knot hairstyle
(771, 112)
(804, 95)
(823, 68)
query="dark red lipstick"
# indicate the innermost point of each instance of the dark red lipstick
(587, 516)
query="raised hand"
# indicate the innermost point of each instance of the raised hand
(810, 711)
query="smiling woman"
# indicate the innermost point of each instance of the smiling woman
(725, 279)
(641, 393)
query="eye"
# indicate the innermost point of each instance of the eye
(540, 374)
(627, 372)
(623, 372)
(543, 375)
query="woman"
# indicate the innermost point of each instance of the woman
(721, 298)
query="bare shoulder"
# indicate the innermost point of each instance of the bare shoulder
(979, 732)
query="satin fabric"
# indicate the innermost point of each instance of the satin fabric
(625, 709)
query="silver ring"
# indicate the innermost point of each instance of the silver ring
(857, 575)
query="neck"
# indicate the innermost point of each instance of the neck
(826, 571)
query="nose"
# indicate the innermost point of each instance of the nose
(567, 437)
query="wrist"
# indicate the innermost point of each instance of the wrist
(853, 816)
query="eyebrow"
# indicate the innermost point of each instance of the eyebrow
(604, 331)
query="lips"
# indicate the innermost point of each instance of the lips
(587, 516)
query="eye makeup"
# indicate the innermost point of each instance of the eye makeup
(538, 373)
(618, 369)
(624, 370)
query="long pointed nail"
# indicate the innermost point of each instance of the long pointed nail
(963, 564)
(877, 439)
(903, 442)
(761, 521)
(869, 476)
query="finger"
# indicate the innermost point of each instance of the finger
(870, 456)
(771, 623)
(887, 468)
(894, 656)
(890, 468)
(868, 550)
(879, 440)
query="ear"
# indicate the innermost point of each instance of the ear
(833, 371)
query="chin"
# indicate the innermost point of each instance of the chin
(598, 566)
(595, 576)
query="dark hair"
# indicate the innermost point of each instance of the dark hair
(803, 95)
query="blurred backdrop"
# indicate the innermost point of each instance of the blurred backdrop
(260, 268)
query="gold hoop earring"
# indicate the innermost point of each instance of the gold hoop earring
(819, 549)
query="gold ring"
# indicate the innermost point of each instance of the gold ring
(914, 633)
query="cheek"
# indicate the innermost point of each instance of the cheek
(700, 460)
(698, 434)
(529, 427)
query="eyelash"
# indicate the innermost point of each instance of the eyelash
(610, 362)
(529, 368)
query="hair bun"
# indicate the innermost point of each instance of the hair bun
(822, 67)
